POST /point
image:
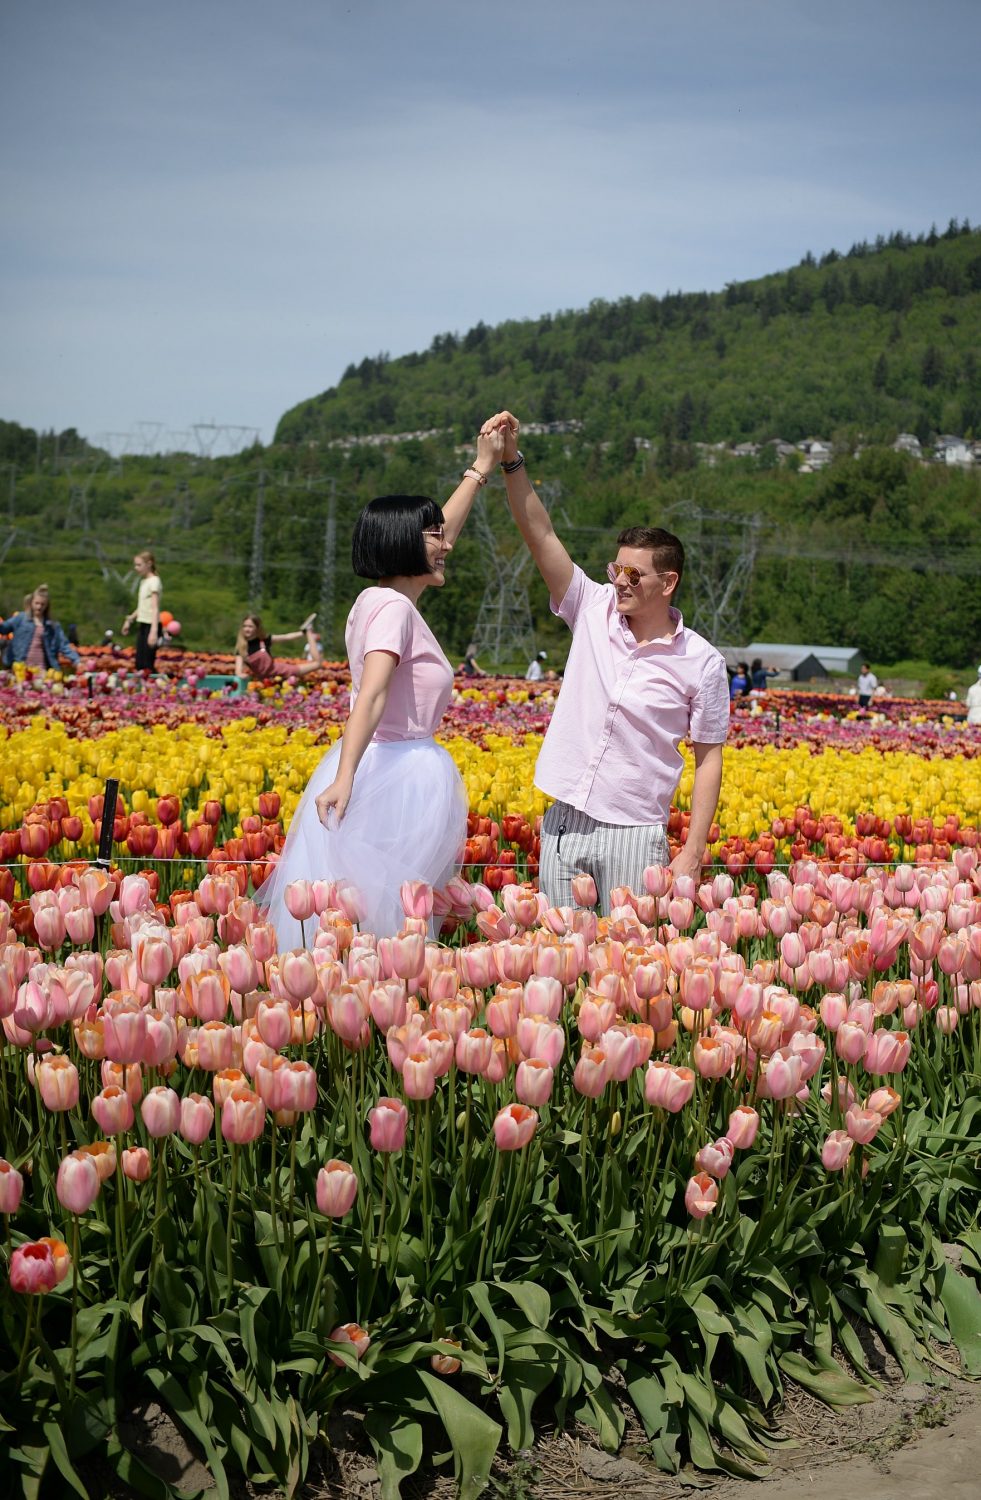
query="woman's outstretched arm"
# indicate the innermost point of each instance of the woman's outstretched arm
(490, 447)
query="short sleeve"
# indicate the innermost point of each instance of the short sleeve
(581, 592)
(709, 720)
(389, 627)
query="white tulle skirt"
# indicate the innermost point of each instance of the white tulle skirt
(406, 820)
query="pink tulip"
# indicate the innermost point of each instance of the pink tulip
(154, 959)
(387, 1004)
(300, 1087)
(744, 1122)
(836, 1150)
(408, 955)
(352, 1334)
(504, 1010)
(533, 1082)
(668, 1087)
(161, 1111)
(446, 1364)
(128, 1077)
(584, 892)
(884, 1101)
(543, 996)
(299, 900)
(32, 1269)
(95, 890)
(592, 1072)
(387, 1125)
(780, 1077)
(514, 1126)
(716, 1158)
(161, 1039)
(77, 1184)
(657, 880)
(622, 1048)
(541, 1039)
(713, 1057)
(113, 1111)
(261, 939)
(862, 1125)
(521, 904)
(136, 1163)
(11, 1188)
(125, 1031)
(347, 1013)
(80, 925)
(887, 1052)
(337, 1188)
(451, 1016)
(243, 1115)
(239, 967)
(701, 1195)
(197, 1118)
(57, 1080)
(274, 1023)
(49, 924)
(419, 1076)
(851, 1041)
(417, 899)
(473, 1050)
(298, 972)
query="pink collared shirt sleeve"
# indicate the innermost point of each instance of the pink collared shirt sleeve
(710, 707)
(581, 592)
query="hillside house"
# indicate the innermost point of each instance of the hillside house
(953, 450)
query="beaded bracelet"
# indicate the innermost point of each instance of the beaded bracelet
(476, 474)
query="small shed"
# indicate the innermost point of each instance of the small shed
(801, 663)
(798, 663)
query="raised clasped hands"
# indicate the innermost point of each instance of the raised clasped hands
(505, 423)
(490, 448)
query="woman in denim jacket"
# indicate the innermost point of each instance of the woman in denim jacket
(37, 640)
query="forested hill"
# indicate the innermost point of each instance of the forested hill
(880, 340)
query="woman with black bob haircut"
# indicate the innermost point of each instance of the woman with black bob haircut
(390, 536)
(386, 805)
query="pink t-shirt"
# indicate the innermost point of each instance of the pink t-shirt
(384, 620)
(612, 747)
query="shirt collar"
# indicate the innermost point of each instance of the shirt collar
(675, 617)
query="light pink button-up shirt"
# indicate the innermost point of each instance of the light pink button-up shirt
(612, 747)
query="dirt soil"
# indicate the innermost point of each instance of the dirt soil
(912, 1442)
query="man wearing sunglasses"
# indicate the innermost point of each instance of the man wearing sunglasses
(636, 684)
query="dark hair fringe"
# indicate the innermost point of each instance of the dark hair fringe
(388, 539)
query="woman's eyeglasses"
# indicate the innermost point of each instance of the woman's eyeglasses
(437, 533)
(614, 571)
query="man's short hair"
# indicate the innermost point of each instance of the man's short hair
(666, 550)
(388, 539)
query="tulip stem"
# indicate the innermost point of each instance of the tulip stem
(314, 1309)
(157, 1212)
(75, 1278)
(290, 1222)
(25, 1346)
(232, 1195)
(492, 1205)
(584, 1153)
(272, 1184)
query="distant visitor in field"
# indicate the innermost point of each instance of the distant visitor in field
(471, 666)
(536, 671)
(147, 612)
(866, 684)
(387, 804)
(636, 683)
(973, 701)
(739, 683)
(759, 675)
(253, 654)
(35, 638)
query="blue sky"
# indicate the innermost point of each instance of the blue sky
(210, 209)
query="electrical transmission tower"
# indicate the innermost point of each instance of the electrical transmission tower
(256, 564)
(209, 434)
(504, 631)
(720, 555)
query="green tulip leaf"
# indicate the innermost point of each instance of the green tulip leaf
(397, 1444)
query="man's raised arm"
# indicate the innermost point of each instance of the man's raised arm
(531, 517)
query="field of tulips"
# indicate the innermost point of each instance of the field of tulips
(658, 1163)
(661, 1162)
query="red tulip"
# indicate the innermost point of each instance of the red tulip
(32, 1269)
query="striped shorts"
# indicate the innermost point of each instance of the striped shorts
(613, 853)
